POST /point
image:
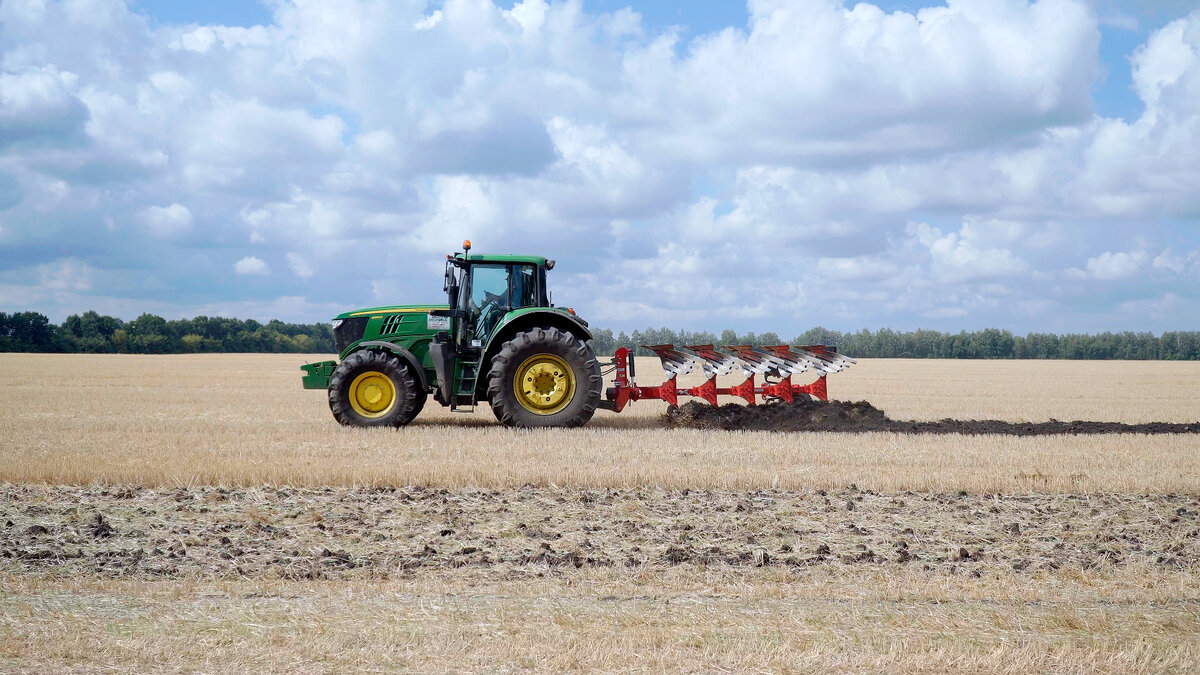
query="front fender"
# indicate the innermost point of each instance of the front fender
(403, 353)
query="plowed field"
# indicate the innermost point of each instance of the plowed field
(382, 533)
(861, 416)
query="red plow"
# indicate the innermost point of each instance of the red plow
(776, 365)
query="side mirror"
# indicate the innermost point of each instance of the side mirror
(452, 292)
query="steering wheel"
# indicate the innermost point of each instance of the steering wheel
(491, 305)
(491, 298)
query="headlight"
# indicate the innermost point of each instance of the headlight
(336, 323)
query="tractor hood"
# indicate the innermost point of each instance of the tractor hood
(391, 309)
(386, 323)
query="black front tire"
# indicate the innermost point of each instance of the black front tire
(407, 398)
(552, 341)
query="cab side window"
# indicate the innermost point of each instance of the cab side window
(525, 286)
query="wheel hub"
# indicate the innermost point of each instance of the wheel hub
(544, 384)
(372, 394)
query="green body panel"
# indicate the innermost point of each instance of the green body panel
(402, 325)
(406, 326)
(316, 375)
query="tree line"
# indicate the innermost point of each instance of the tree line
(990, 343)
(95, 333)
(92, 332)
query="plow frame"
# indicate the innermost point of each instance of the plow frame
(751, 360)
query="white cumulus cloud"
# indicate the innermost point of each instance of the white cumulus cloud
(824, 162)
(300, 266)
(166, 221)
(1109, 266)
(251, 265)
(957, 256)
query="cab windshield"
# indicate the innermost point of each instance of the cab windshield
(496, 289)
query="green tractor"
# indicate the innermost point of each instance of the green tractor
(498, 339)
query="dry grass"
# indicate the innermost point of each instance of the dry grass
(244, 420)
(1026, 391)
(681, 619)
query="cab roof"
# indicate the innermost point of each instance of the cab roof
(487, 258)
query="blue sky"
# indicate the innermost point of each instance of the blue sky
(771, 166)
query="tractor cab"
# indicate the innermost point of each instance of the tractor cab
(482, 290)
(490, 299)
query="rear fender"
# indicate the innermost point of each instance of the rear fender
(523, 320)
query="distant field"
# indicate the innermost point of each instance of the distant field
(244, 420)
(205, 513)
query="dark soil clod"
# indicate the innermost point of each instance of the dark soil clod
(845, 416)
(101, 528)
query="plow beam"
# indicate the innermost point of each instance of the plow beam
(745, 390)
(781, 390)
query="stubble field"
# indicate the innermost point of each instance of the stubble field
(205, 513)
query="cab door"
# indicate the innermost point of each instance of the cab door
(494, 290)
(487, 300)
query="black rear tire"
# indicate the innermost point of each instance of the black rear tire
(368, 365)
(565, 347)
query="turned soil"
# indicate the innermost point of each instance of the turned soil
(339, 533)
(862, 416)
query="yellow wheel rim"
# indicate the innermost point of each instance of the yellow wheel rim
(372, 394)
(544, 384)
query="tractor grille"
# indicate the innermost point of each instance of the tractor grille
(350, 331)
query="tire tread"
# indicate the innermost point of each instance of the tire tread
(410, 399)
(544, 340)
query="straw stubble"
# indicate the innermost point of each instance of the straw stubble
(204, 513)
